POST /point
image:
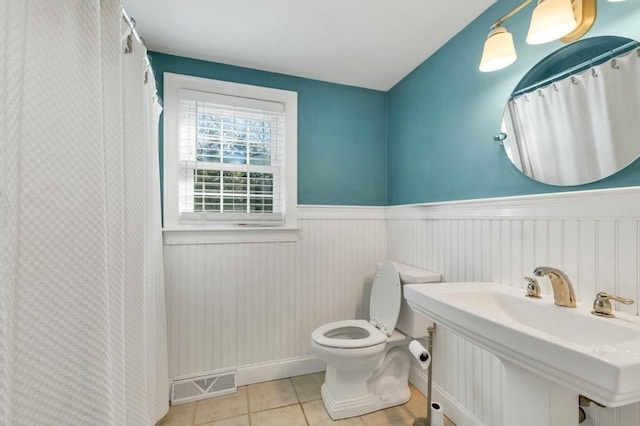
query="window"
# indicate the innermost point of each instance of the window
(230, 158)
(229, 155)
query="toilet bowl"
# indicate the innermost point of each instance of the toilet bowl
(367, 360)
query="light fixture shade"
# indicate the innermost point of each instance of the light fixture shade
(551, 20)
(499, 51)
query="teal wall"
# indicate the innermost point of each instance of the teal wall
(430, 138)
(442, 117)
(342, 151)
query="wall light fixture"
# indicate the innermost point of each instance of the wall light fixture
(567, 20)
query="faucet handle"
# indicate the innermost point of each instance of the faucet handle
(602, 305)
(533, 288)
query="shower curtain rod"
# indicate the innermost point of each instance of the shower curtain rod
(132, 26)
(580, 67)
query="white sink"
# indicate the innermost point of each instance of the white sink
(567, 347)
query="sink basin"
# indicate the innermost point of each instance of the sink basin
(593, 356)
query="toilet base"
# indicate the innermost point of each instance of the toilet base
(350, 392)
(358, 406)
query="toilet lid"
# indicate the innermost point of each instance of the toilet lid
(386, 295)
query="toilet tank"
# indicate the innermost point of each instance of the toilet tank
(409, 322)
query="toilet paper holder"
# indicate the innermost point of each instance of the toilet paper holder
(433, 407)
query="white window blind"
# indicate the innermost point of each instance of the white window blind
(231, 158)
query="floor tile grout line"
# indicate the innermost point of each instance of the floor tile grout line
(274, 408)
(295, 390)
(304, 414)
(195, 410)
(277, 408)
(221, 418)
(249, 407)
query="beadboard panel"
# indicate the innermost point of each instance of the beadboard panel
(236, 304)
(598, 253)
(233, 305)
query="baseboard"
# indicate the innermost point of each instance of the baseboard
(455, 411)
(280, 369)
(418, 378)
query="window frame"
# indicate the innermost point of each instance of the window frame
(173, 85)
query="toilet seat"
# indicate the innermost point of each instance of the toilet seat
(384, 306)
(349, 334)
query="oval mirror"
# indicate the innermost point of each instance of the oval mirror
(575, 116)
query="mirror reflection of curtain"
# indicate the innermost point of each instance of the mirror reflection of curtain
(578, 129)
(516, 143)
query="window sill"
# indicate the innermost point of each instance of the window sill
(199, 235)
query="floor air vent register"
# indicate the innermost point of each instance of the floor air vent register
(201, 387)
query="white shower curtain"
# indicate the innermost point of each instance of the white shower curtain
(578, 130)
(82, 314)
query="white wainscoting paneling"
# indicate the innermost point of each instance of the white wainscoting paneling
(251, 305)
(594, 236)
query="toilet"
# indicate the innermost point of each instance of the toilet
(368, 360)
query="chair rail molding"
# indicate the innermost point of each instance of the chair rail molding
(615, 203)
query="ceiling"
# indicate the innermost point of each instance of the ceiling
(366, 43)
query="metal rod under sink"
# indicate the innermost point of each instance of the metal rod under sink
(426, 421)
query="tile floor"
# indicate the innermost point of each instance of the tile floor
(288, 402)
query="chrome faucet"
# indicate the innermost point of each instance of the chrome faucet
(563, 294)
